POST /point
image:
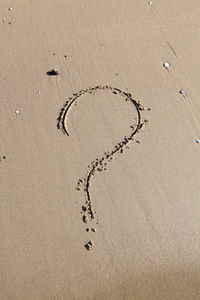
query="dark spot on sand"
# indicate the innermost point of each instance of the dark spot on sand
(84, 208)
(89, 245)
(52, 73)
(84, 219)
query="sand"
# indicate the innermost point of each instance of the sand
(99, 161)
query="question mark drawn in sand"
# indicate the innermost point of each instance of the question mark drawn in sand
(99, 164)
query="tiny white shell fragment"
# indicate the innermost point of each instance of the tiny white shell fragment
(3, 20)
(198, 141)
(10, 8)
(182, 92)
(166, 65)
(17, 111)
(150, 2)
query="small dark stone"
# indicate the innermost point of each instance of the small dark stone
(4, 157)
(52, 73)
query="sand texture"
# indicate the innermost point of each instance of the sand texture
(100, 150)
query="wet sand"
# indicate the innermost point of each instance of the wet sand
(99, 159)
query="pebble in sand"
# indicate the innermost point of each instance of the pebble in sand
(166, 65)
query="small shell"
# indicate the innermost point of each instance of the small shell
(17, 111)
(182, 92)
(166, 65)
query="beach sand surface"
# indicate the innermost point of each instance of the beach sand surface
(147, 209)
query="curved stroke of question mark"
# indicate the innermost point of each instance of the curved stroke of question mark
(99, 164)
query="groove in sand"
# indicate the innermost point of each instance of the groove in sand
(99, 164)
